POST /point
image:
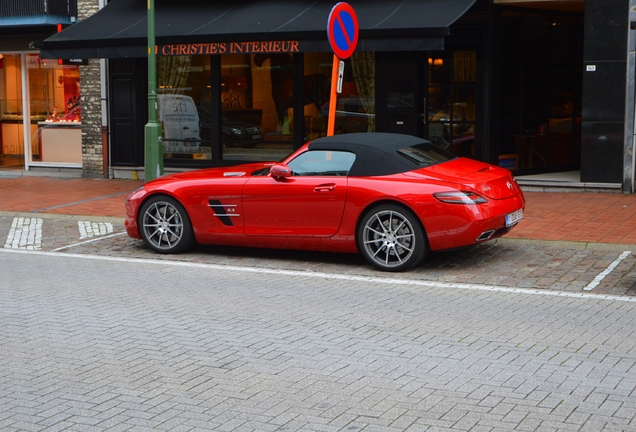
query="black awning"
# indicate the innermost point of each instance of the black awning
(120, 29)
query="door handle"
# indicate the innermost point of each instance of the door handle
(325, 188)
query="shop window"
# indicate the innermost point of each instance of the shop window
(54, 111)
(257, 106)
(59, 137)
(317, 82)
(183, 101)
(11, 108)
(363, 81)
(355, 109)
(451, 101)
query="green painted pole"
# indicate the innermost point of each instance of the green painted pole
(152, 134)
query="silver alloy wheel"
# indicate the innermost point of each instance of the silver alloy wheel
(389, 238)
(163, 225)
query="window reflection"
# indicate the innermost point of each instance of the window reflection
(257, 104)
(451, 101)
(184, 92)
(257, 99)
(355, 108)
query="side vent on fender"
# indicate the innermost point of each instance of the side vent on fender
(225, 212)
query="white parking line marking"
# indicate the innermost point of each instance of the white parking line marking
(92, 229)
(330, 276)
(599, 278)
(87, 241)
(25, 233)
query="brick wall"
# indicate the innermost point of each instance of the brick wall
(92, 146)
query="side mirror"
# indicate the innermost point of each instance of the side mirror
(280, 171)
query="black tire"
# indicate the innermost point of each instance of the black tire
(164, 225)
(391, 238)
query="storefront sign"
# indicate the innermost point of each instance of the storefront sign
(33, 61)
(289, 46)
(180, 149)
(74, 61)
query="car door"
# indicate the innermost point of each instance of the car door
(308, 203)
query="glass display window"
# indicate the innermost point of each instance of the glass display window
(257, 98)
(451, 101)
(355, 105)
(55, 106)
(183, 100)
(11, 111)
(52, 111)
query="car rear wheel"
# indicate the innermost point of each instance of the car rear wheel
(391, 238)
(165, 226)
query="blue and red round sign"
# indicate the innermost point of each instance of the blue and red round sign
(342, 30)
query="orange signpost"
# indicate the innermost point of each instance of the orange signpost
(333, 99)
(342, 31)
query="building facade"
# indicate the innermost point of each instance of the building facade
(537, 87)
(40, 100)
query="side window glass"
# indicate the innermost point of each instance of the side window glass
(322, 163)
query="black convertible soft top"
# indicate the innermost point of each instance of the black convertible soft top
(375, 152)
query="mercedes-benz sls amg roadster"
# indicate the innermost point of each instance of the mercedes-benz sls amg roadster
(392, 198)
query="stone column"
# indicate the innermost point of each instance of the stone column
(90, 93)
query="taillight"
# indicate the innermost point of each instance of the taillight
(460, 197)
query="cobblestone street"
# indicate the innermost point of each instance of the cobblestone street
(106, 343)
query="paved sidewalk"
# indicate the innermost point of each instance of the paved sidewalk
(85, 197)
(580, 217)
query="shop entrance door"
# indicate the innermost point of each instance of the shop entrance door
(450, 101)
(400, 93)
(430, 95)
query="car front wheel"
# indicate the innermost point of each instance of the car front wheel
(165, 226)
(391, 238)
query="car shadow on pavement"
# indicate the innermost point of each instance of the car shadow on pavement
(465, 258)
(251, 253)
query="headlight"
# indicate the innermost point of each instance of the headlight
(460, 197)
(236, 131)
(133, 192)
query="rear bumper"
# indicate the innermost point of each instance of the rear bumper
(471, 224)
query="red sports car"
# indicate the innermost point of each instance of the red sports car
(390, 197)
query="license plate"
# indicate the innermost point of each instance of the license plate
(256, 137)
(514, 217)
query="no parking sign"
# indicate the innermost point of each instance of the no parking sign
(342, 30)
